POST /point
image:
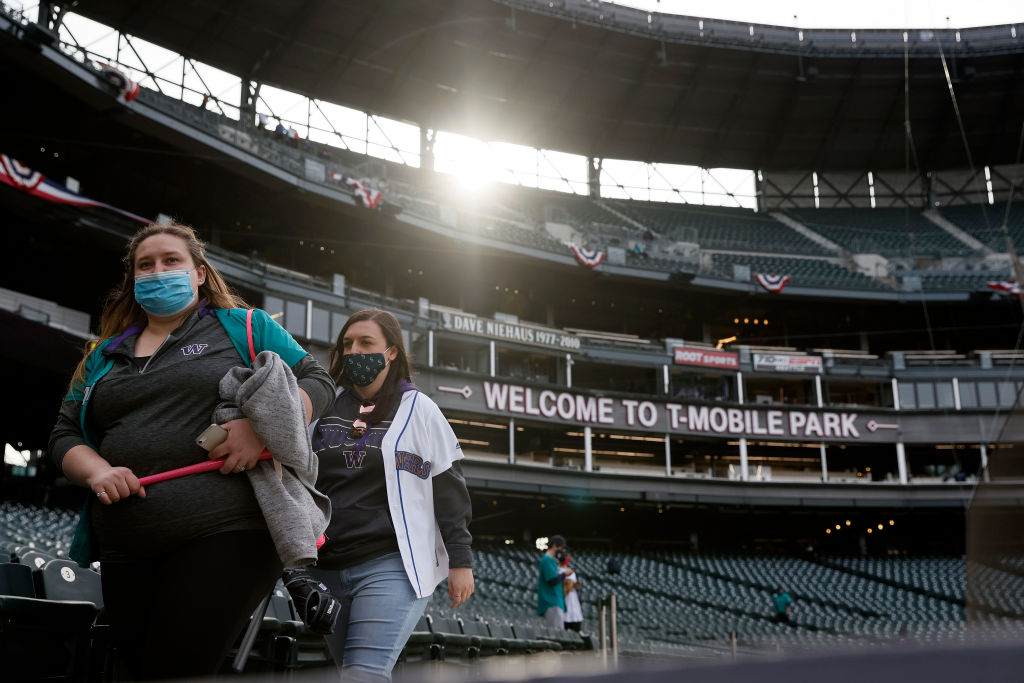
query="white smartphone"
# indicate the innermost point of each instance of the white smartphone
(211, 437)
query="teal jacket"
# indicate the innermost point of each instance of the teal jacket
(267, 335)
(548, 595)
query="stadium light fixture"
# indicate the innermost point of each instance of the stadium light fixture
(870, 530)
(828, 531)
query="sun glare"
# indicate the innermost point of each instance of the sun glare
(466, 158)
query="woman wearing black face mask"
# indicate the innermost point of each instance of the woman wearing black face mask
(390, 463)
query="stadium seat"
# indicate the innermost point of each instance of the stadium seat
(890, 232)
(65, 580)
(422, 645)
(536, 638)
(34, 558)
(16, 579)
(7, 550)
(44, 639)
(481, 638)
(454, 642)
(984, 222)
(507, 638)
(719, 228)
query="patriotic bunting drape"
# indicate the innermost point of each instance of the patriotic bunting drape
(772, 283)
(127, 89)
(23, 178)
(371, 198)
(591, 258)
(1007, 287)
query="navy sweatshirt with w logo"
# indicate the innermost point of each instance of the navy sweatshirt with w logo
(352, 474)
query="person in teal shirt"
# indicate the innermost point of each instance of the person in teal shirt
(783, 605)
(550, 596)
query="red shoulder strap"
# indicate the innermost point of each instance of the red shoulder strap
(248, 334)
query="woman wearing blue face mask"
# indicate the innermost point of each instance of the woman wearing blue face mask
(185, 562)
(389, 462)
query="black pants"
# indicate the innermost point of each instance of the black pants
(573, 626)
(179, 614)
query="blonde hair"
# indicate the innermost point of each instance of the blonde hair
(121, 309)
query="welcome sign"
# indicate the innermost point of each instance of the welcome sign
(629, 413)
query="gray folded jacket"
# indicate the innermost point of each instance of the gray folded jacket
(296, 513)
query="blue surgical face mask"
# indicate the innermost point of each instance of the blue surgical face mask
(165, 293)
(363, 368)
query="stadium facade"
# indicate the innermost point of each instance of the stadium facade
(675, 374)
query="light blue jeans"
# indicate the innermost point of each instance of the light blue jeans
(379, 610)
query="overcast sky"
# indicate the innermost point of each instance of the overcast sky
(848, 13)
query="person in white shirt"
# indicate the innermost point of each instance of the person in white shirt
(571, 585)
(391, 466)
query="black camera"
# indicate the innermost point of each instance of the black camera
(317, 607)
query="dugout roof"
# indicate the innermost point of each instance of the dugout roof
(564, 76)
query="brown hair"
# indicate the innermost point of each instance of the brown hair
(121, 309)
(399, 372)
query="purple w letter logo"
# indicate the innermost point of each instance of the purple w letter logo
(193, 349)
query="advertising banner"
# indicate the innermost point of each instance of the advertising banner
(706, 358)
(781, 362)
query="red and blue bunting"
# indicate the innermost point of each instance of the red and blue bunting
(127, 89)
(15, 174)
(591, 258)
(772, 283)
(1007, 287)
(370, 197)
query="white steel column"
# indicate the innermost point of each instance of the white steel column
(821, 445)
(901, 462)
(895, 394)
(984, 462)
(568, 370)
(668, 455)
(664, 378)
(588, 453)
(494, 360)
(430, 348)
(739, 387)
(511, 441)
(744, 472)
(956, 394)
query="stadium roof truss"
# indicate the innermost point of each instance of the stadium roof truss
(584, 78)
